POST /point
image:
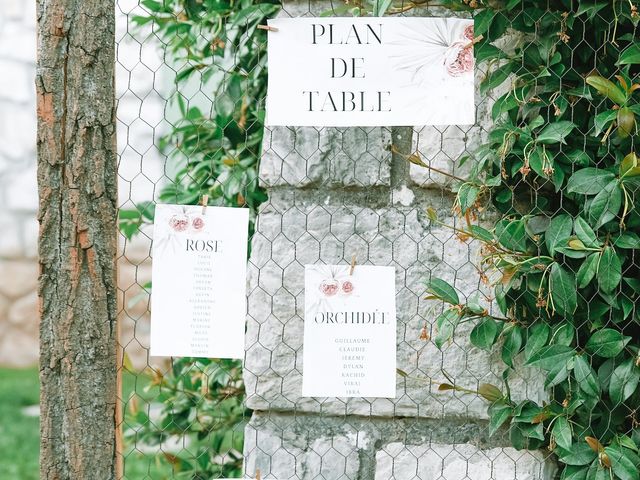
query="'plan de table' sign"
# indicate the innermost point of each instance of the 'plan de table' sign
(349, 332)
(370, 72)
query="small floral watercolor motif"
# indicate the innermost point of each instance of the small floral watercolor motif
(463, 61)
(463, 53)
(333, 282)
(329, 287)
(197, 223)
(181, 220)
(347, 287)
(448, 45)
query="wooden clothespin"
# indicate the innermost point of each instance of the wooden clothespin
(267, 27)
(353, 265)
(257, 474)
(474, 41)
(204, 201)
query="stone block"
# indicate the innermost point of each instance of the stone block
(17, 80)
(21, 194)
(396, 461)
(330, 231)
(10, 241)
(304, 156)
(18, 42)
(18, 277)
(18, 132)
(309, 447)
(23, 314)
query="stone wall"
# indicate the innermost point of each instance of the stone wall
(338, 192)
(142, 81)
(18, 191)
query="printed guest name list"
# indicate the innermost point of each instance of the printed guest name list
(349, 332)
(198, 281)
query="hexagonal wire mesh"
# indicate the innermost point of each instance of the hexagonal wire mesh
(191, 78)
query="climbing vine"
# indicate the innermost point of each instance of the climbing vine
(214, 151)
(560, 168)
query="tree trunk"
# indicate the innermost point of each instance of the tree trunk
(77, 181)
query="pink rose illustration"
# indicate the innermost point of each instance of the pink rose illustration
(347, 287)
(197, 223)
(329, 287)
(463, 61)
(468, 32)
(179, 222)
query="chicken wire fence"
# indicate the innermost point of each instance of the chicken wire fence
(191, 80)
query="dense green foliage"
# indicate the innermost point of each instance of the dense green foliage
(212, 151)
(559, 167)
(201, 403)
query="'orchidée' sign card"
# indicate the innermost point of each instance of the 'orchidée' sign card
(198, 302)
(368, 71)
(349, 332)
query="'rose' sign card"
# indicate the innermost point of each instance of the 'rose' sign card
(198, 281)
(368, 71)
(349, 332)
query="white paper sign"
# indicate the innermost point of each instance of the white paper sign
(370, 72)
(349, 332)
(198, 302)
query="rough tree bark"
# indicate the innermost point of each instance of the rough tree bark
(77, 173)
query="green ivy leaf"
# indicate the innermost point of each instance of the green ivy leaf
(496, 77)
(624, 381)
(482, 234)
(446, 324)
(558, 374)
(608, 89)
(467, 195)
(623, 467)
(442, 290)
(505, 103)
(562, 433)
(606, 204)
(585, 233)
(631, 55)
(563, 334)
(587, 270)
(572, 472)
(562, 285)
(558, 232)
(537, 337)
(512, 235)
(598, 472)
(481, 21)
(484, 51)
(499, 413)
(586, 377)
(602, 121)
(512, 343)
(551, 356)
(579, 454)
(485, 333)
(589, 181)
(556, 132)
(609, 270)
(628, 240)
(606, 343)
